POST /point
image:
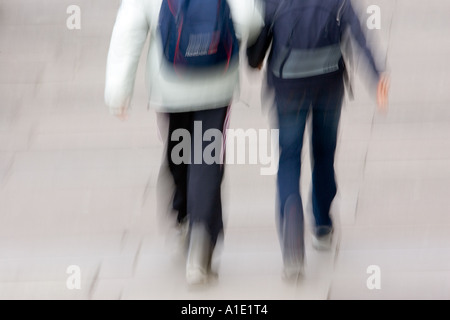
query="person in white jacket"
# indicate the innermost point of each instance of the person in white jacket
(200, 101)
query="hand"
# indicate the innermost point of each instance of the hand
(383, 93)
(123, 114)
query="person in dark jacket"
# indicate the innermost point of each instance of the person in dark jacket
(306, 71)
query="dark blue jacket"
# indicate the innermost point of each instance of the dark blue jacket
(343, 18)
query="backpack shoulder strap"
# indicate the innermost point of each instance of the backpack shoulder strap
(178, 7)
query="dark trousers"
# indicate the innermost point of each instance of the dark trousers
(323, 102)
(198, 185)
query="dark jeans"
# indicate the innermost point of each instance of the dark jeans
(198, 186)
(324, 103)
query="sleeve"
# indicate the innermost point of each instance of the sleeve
(247, 18)
(258, 46)
(257, 21)
(351, 21)
(127, 41)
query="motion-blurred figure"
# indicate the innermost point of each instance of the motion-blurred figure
(306, 71)
(192, 74)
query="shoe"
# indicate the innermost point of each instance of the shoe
(323, 238)
(293, 247)
(177, 242)
(293, 271)
(182, 236)
(198, 264)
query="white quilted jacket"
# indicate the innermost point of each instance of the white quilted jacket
(136, 23)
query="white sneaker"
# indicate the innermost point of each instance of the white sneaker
(199, 256)
(293, 271)
(182, 235)
(196, 276)
(323, 238)
(293, 245)
(177, 242)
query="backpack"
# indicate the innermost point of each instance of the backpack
(197, 34)
(306, 38)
